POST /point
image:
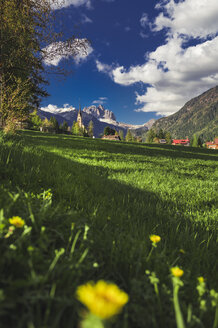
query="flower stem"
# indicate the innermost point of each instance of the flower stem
(215, 324)
(149, 255)
(179, 318)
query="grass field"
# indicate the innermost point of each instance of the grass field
(89, 208)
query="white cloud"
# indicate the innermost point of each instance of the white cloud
(194, 18)
(143, 35)
(58, 4)
(104, 68)
(175, 75)
(135, 74)
(176, 72)
(144, 20)
(83, 55)
(85, 19)
(100, 100)
(79, 49)
(54, 109)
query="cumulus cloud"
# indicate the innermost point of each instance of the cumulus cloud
(175, 72)
(58, 4)
(54, 109)
(194, 18)
(104, 68)
(175, 75)
(79, 49)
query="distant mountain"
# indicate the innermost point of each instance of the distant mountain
(199, 115)
(100, 117)
(100, 113)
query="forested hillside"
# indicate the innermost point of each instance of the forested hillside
(198, 116)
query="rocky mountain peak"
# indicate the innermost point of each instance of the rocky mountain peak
(100, 112)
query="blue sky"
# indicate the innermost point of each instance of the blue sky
(145, 59)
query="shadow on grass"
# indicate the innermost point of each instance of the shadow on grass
(88, 189)
(121, 217)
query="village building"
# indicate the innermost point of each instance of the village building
(47, 129)
(111, 137)
(183, 142)
(213, 144)
(80, 119)
(162, 141)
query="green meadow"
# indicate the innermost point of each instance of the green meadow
(89, 208)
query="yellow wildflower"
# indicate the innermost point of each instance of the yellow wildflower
(102, 299)
(177, 272)
(17, 221)
(200, 279)
(155, 238)
(48, 195)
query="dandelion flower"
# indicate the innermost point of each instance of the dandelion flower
(48, 195)
(177, 272)
(155, 238)
(200, 279)
(102, 299)
(17, 221)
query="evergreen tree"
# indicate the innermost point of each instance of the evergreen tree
(121, 134)
(109, 131)
(64, 126)
(91, 129)
(160, 134)
(194, 142)
(129, 136)
(150, 136)
(168, 137)
(200, 142)
(54, 123)
(74, 127)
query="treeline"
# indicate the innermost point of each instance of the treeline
(52, 125)
(155, 135)
(129, 137)
(26, 31)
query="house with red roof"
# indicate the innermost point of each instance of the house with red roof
(212, 144)
(184, 142)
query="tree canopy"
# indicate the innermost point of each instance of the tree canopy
(26, 35)
(109, 131)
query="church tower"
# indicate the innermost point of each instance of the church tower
(79, 118)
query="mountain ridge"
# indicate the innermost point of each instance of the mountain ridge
(100, 117)
(198, 116)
